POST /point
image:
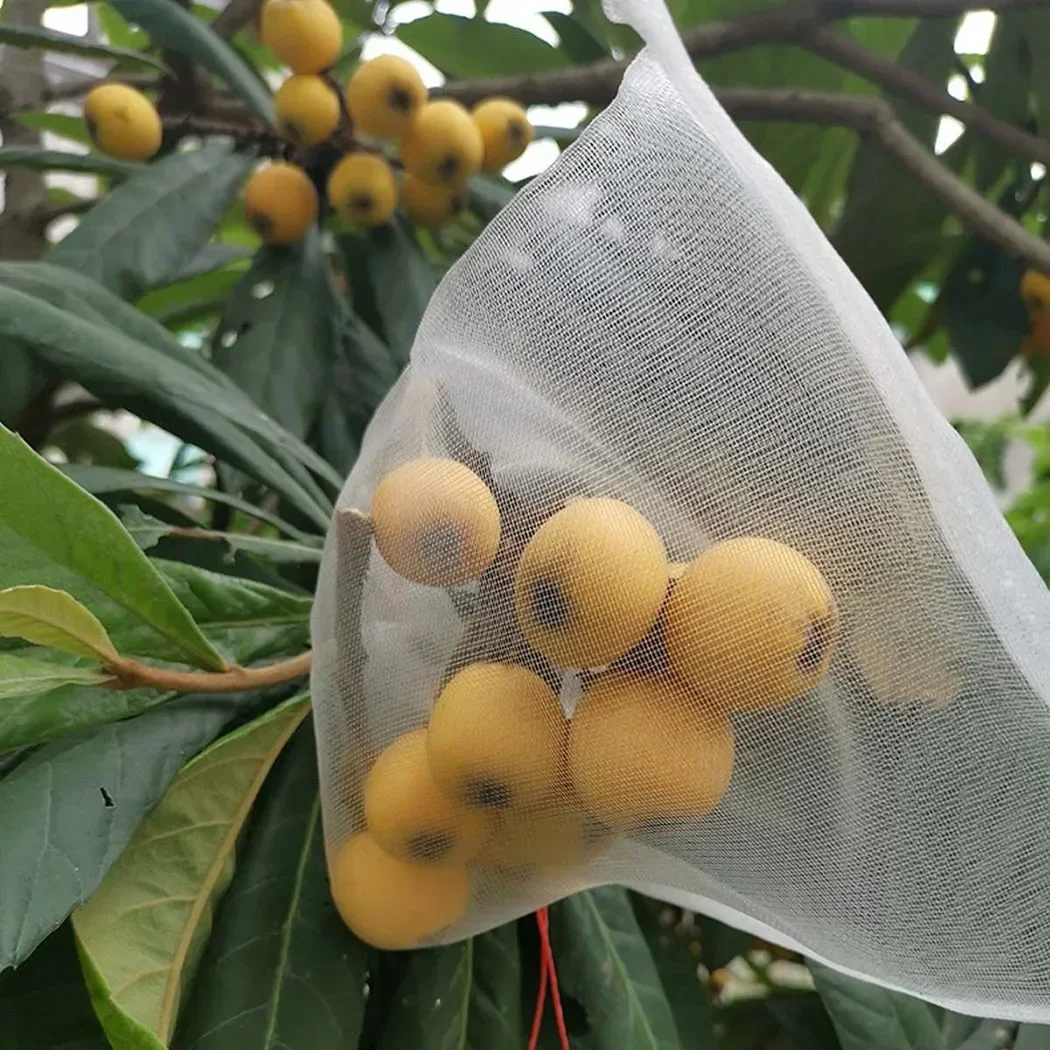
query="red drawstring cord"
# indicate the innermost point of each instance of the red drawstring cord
(548, 975)
(541, 999)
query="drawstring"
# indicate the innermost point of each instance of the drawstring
(548, 978)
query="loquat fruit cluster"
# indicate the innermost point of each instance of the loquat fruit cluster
(390, 123)
(403, 147)
(500, 785)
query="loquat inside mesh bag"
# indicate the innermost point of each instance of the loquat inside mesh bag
(658, 567)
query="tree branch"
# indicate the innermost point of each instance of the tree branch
(875, 119)
(833, 9)
(916, 88)
(597, 83)
(22, 86)
(47, 213)
(130, 674)
(235, 16)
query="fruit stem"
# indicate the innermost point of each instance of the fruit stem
(130, 674)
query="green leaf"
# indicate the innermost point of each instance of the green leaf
(577, 41)
(490, 193)
(79, 294)
(59, 160)
(145, 232)
(173, 27)
(44, 1004)
(41, 39)
(277, 331)
(890, 225)
(251, 621)
(116, 30)
(106, 480)
(403, 282)
(868, 1017)
(60, 833)
(982, 1035)
(1032, 1037)
(47, 617)
(988, 441)
(604, 962)
(204, 293)
(794, 150)
(248, 622)
(720, 944)
(141, 932)
(25, 676)
(803, 1017)
(1004, 92)
(981, 309)
(278, 954)
(469, 47)
(213, 257)
(80, 441)
(147, 532)
(24, 378)
(200, 314)
(45, 513)
(62, 124)
(182, 398)
(957, 1028)
(677, 967)
(465, 995)
(362, 372)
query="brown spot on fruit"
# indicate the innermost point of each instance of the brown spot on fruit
(550, 607)
(819, 637)
(448, 166)
(401, 99)
(262, 224)
(487, 794)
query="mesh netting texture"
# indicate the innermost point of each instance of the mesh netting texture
(659, 568)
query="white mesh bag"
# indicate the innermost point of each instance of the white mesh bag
(658, 567)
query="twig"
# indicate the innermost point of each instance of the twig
(960, 67)
(832, 9)
(130, 674)
(235, 16)
(75, 408)
(47, 213)
(875, 119)
(78, 86)
(245, 130)
(916, 88)
(597, 83)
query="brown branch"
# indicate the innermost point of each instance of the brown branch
(47, 213)
(78, 86)
(245, 124)
(130, 674)
(235, 16)
(597, 83)
(875, 119)
(832, 9)
(914, 87)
